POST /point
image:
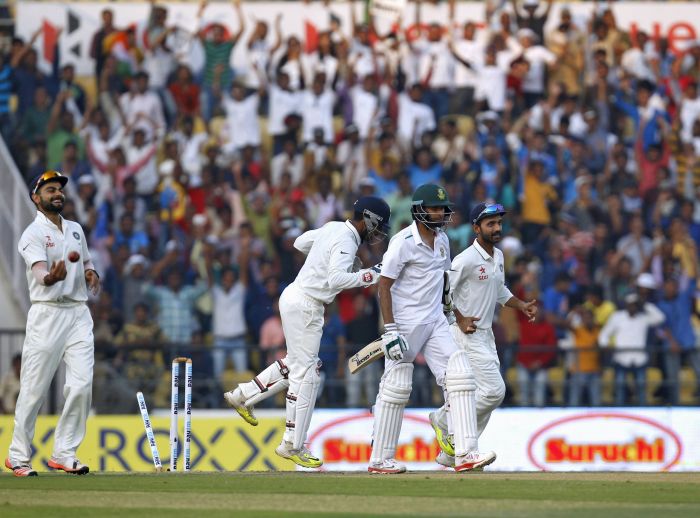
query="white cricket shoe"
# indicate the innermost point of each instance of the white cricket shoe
(474, 460)
(69, 465)
(445, 460)
(236, 400)
(387, 467)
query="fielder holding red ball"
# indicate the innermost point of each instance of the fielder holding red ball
(59, 326)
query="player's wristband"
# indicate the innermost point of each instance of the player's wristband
(391, 327)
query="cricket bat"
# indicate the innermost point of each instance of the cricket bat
(368, 354)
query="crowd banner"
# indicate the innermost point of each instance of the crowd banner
(550, 439)
(678, 22)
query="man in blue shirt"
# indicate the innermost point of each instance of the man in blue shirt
(677, 332)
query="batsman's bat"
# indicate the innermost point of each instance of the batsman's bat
(368, 354)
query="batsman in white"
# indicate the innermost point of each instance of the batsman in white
(477, 283)
(59, 327)
(328, 269)
(410, 299)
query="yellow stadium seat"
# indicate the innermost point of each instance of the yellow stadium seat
(608, 386)
(512, 382)
(557, 379)
(688, 386)
(655, 379)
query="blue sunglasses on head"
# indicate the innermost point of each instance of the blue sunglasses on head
(490, 210)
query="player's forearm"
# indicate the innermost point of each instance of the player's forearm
(385, 302)
(515, 303)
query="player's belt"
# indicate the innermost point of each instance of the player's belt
(60, 302)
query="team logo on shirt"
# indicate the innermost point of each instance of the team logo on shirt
(76, 236)
(49, 243)
(482, 273)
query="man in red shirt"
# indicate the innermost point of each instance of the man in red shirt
(537, 352)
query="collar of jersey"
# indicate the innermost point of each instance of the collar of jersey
(41, 218)
(483, 253)
(354, 231)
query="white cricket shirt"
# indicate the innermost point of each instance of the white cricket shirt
(417, 271)
(43, 241)
(477, 281)
(330, 253)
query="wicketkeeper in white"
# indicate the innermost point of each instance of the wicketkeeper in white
(329, 268)
(59, 327)
(410, 298)
(477, 283)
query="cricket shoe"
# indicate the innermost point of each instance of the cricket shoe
(474, 460)
(386, 467)
(236, 400)
(301, 457)
(445, 460)
(69, 465)
(444, 439)
(19, 469)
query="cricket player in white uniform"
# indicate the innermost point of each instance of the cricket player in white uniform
(59, 327)
(410, 299)
(329, 268)
(477, 283)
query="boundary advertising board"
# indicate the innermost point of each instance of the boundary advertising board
(578, 439)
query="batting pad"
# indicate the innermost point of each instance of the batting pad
(394, 392)
(269, 382)
(461, 388)
(306, 400)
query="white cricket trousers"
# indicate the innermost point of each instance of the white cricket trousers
(433, 340)
(302, 323)
(490, 388)
(55, 332)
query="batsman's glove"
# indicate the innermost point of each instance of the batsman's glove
(447, 306)
(370, 276)
(394, 343)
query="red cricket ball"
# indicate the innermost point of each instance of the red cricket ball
(73, 257)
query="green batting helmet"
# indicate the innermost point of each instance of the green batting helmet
(431, 195)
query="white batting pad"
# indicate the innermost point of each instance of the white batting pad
(269, 382)
(461, 389)
(306, 400)
(394, 391)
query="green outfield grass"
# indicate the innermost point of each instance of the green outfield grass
(433, 494)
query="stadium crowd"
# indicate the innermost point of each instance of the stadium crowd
(193, 184)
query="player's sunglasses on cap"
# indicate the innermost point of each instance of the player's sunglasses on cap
(46, 177)
(495, 209)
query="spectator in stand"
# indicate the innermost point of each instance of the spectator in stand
(595, 303)
(218, 47)
(331, 353)
(626, 330)
(174, 302)
(536, 353)
(583, 359)
(677, 333)
(555, 301)
(140, 357)
(97, 46)
(527, 17)
(361, 330)
(185, 92)
(229, 325)
(136, 240)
